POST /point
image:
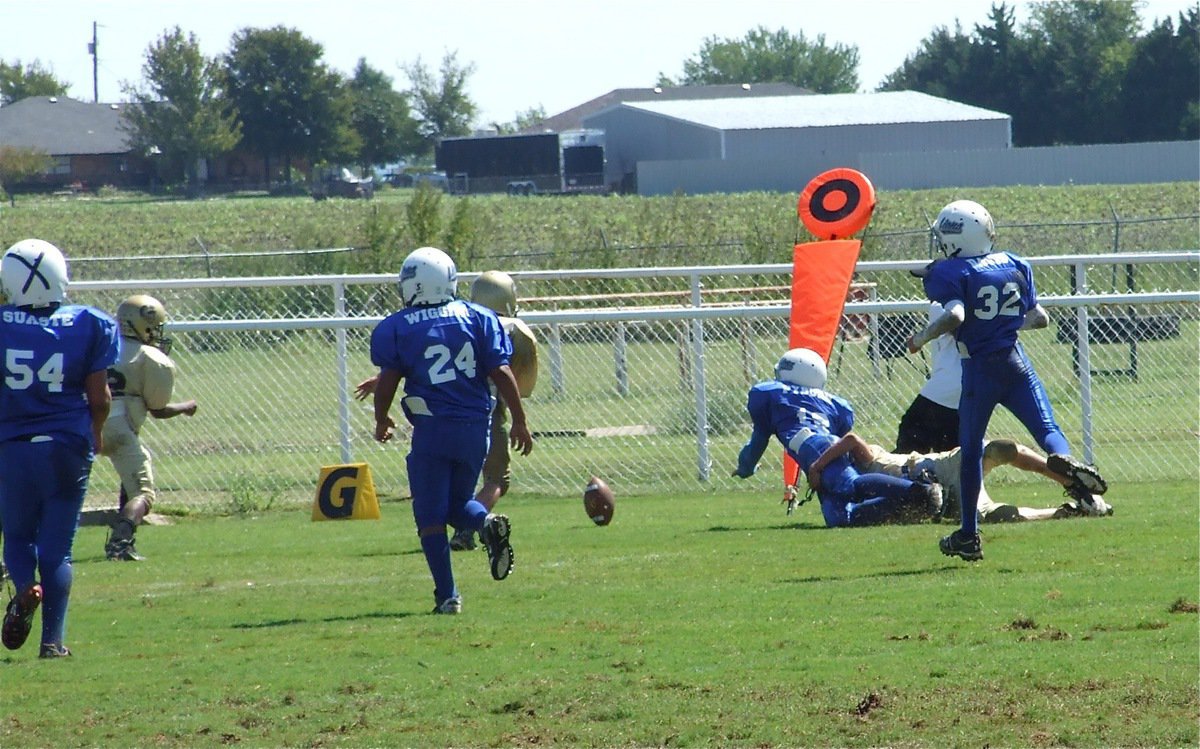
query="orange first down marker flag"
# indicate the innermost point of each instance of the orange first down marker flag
(834, 205)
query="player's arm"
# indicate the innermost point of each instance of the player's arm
(860, 454)
(751, 453)
(506, 385)
(171, 410)
(1036, 318)
(948, 322)
(99, 399)
(385, 392)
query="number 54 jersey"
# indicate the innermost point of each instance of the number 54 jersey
(47, 357)
(444, 354)
(996, 291)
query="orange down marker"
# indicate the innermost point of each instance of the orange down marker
(833, 206)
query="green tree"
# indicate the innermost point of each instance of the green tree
(182, 112)
(18, 163)
(764, 56)
(1162, 83)
(1079, 51)
(381, 117)
(441, 101)
(290, 103)
(18, 81)
(530, 118)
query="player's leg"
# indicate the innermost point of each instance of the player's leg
(1030, 404)
(429, 473)
(879, 498)
(56, 536)
(133, 464)
(20, 512)
(980, 391)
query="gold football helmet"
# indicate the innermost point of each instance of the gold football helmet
(143, 318)
(497, 291)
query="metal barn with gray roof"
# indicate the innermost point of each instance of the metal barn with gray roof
(778, 143)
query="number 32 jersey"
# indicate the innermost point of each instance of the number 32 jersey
(444, 354)
(996, 290)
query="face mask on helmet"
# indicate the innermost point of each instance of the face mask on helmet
(803, 367)
(964, 229)
(144, 318)
(427, 277)
(33, 273)
(497, 291)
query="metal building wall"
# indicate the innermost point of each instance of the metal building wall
(1103, 164)
(631, 136)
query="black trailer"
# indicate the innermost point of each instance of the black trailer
(555, 163)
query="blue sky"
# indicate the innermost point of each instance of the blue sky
(527, 53)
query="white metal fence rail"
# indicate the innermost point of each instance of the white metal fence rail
(644, 373)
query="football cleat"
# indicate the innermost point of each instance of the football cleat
(53, 650)
(958, 544)
(452, 605)
(1086, 503)
(122, 550)
(18, 617)
(494, 535)
(1080, 474)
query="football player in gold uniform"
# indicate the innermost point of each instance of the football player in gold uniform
(141, 383)
(944, 468)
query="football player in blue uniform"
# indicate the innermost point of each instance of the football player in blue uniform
(53, 402)
(987, 298)
(807, 420)
(446, 350)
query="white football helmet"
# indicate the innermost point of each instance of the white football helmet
(964, 229)
(497, 291)
(33, 273)
(143, 318)
(428, 276)
(803, 367)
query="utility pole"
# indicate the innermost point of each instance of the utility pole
(95, 66)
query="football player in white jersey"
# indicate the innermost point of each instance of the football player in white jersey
(141, 382)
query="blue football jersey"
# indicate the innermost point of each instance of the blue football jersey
(46, 360)
(785, 409)
(996, 291)
(444, 354)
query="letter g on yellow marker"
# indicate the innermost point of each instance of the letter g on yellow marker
(346, 492)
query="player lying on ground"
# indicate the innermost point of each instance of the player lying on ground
(945, 468)
(807, 420)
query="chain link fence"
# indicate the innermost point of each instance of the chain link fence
(643, 375)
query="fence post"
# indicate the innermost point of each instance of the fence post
(698, 383)
(343, 379)
(556, 360)
(619, 359)
(1082, 337)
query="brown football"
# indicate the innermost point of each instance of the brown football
(598, 501)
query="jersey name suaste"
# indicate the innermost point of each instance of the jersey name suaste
(21, 317)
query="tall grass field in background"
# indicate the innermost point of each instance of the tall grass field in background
(692, 620)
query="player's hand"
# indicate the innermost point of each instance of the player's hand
(384, 429)
(814, 479)
(912, 345)
(520, 439)
(365, 388)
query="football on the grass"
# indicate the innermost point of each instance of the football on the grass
(598, 501)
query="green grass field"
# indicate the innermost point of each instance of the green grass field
(692, 620)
